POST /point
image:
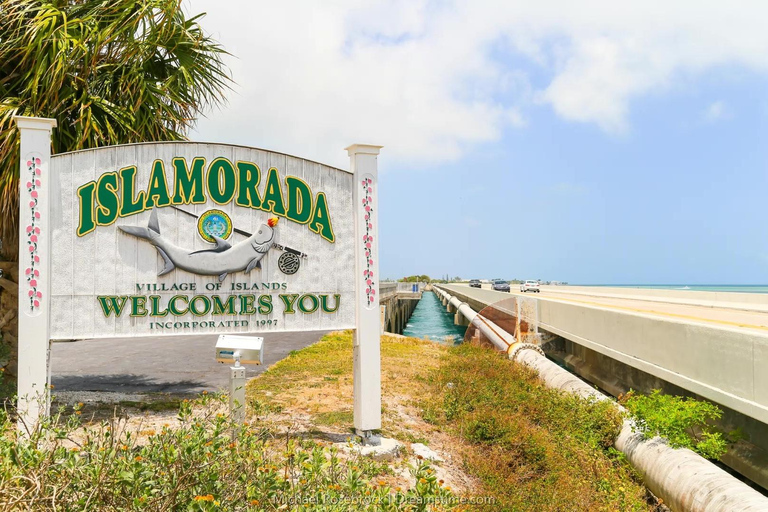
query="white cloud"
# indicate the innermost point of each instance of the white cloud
(429, 80)
(716, 111)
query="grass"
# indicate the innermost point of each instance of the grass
(525, 446)
(532, 447)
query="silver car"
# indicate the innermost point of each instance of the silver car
(500, 286)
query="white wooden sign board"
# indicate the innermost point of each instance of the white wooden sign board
(159, 239)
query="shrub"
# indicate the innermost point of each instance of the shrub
(684, 422)
(192, 466)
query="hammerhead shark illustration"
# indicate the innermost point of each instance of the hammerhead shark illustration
(218, 261)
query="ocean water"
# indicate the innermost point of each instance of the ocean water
(743, 288)
(430, 319)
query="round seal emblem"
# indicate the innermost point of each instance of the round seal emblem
(214, 223)
(288, 263)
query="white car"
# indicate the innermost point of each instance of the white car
(530, 286)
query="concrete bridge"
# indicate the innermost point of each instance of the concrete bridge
(708, 345)
(398, 300)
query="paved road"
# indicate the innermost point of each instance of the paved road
(724, 316)
(172, 364)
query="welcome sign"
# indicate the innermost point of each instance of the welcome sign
(159, 239)
(189, 238)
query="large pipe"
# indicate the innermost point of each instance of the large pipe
(680, 477)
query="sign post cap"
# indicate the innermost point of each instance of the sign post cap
(366, 149)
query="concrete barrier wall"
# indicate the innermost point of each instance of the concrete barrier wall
(736, 300)
(722, 364)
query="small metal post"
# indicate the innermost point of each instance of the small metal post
(237, 394)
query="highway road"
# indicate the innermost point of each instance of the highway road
(736, 315)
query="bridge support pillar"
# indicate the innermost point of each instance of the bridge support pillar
(459, 319)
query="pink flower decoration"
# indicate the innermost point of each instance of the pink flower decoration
(33, 238)
(31, 293)
(31, 248)
(38, 172)
(368, 208)
(29, 184)
(39, 295)
(368, 245)
(37, 273)
(373, 292)
(370, 262)
(31, 204)
(37, 161)
(29, 163)
(33, 282)
(37, 215)
(37, 303)
(37, 259)
(370, 226)
(370, 190)
(368, 290)
(29, 229)
(37, 231)
(369, 282)
(34, 194)
(37, 183)
(28, 271)
(367, 216)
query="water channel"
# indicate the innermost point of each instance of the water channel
(431, 320)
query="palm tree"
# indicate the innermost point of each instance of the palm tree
(110, 72)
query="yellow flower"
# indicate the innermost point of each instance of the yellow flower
(254, 502)
(205, 392)
(75, 449)
(422, 480)
(78, 413)
(139, 458)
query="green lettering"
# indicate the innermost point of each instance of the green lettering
(248, 194)
(265, 304)
(85, 195)
(139, 305)
(106, 193)
(193, 305)
(273, 194)
(221, 308)
(111, 303)
(324, 303)
(302, 305)
(172, 305)
(188, 184)
(155, 301)
(130, 205)
(158, 186)
(321, 221)
(246, 304)
(288, 299)
(222, 181)
(299, 200)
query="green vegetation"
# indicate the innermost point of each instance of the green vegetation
(192, 466)
(109, 72)
(416, 279)
(684, 422)
(534, 448)
(531, 448)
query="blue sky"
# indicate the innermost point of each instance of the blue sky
(622, 147)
